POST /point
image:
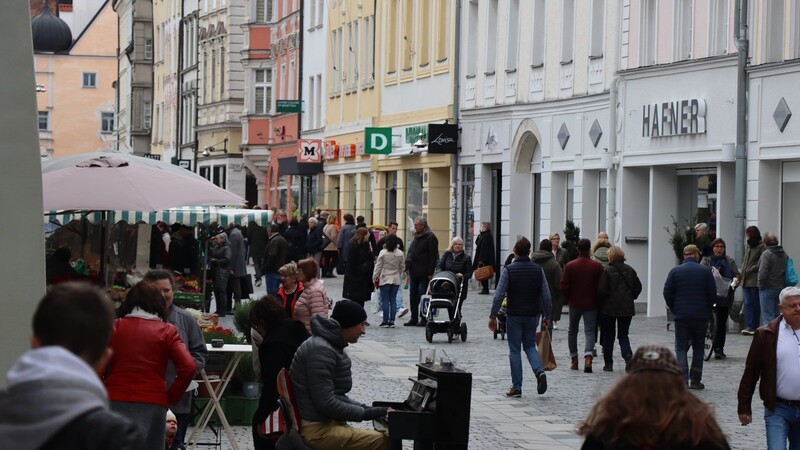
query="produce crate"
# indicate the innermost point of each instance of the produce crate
(239, 410)
(189, 299)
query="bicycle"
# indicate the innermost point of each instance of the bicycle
(710, 339)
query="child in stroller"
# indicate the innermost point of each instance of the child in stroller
(444, 292)
(501, 320)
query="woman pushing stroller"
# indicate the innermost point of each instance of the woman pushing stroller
(456, 260)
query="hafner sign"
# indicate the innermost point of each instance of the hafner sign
(676, 118)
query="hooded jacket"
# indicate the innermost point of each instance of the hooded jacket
(321, 377)
(423, 254)
(53, 399)
(750, 263)
(772, 268)
(552, 271)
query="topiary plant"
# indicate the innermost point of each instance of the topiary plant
(572, 235)
(241, 319)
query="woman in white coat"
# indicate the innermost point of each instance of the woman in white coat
(388, 268)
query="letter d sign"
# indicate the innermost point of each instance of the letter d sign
(378, 141)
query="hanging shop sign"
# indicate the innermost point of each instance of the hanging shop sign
(309, 151)
(443, 138)
(377, 141)
(676, 118)
(290, 106)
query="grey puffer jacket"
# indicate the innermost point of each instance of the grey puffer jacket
(321, 377)
(772, 268)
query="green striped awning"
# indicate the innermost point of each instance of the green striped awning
(185, 215)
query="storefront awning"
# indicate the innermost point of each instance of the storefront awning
(187, 215)
(290, 166)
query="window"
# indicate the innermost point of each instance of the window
(107, 122)
(537, 56)
(796, 32)
(414, 200)
(391, 37)
(213, 73)
(312, 104)
(647, 36)
(321, 17)
(218, 177)
(318, 104)
(291, 75)
(148, 48)
(312, 14)
(263, 91)
(369, 49)
(264, 10)
(567, 31)
(352, 56)
(718, 32)
(773, 43)
(597, 38)
(513, 35)
(408, 33)
(89, 79)
(147, 115)
(44, 120)
(602, 201)
(683, 30)
(423, 50)
(491, 36)
(570, 205)
(443, 30)
(472, 38)
(222, 71)
(283, 84)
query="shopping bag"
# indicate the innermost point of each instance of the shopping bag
(545, 350)
(483, 272)
(375, 302)
(722, 284)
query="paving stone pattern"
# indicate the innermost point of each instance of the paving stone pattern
(384, 359)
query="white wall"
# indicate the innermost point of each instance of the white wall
(315, 51)
(22, 276)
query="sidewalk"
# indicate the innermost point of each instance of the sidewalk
(384, 359)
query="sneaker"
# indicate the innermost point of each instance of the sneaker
(555, 325)
(748, 332)
(541, 383)
(258, 282)
(696, 385)
(514, 393)
(411, 323)
(402, 312)
(720, 355)
(608, 368)
(384, 325)
(391, 324)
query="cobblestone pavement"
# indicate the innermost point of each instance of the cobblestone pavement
(384, 359)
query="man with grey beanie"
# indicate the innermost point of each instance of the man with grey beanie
(321, 379)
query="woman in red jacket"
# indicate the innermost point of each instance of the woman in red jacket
(143, 343)
(291, 288)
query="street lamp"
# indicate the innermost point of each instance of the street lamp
(211, 148)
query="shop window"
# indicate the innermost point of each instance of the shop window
(602, 202)
(413, 200)
(468, 208)
(697, 198)
(570, 206)
(391, 197)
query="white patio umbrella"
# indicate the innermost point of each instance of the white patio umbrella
(127, 183)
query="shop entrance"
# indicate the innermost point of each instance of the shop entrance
(697, 198)
(790, 215)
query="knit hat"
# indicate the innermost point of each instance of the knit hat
(171, 416)
(348, 313)
(654, 357)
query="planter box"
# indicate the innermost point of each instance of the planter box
(239, 410)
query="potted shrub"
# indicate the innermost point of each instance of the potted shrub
(572, 235)
(241, 320)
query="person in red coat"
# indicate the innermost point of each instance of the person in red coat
(142, 343)
(579, 283)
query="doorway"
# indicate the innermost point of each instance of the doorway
(697, 198)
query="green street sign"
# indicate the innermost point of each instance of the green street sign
(377, 141)
(290, 106)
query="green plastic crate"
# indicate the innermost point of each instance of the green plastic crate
(239, 410)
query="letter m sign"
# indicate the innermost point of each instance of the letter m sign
(377, 141)
(309, 151)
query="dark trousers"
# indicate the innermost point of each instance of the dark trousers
(690, 333)
(234, 292)
(721, 331)
(416, 287)
(328, 262)
(485, 285)
(615, 327)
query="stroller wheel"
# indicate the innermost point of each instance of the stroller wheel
(449, 336)
(463, 332)
(428, 334)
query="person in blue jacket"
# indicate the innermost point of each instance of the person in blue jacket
(690, 293)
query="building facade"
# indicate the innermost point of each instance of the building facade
(75, 87)
(166, 78)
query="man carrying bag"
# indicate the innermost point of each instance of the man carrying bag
(524, 286)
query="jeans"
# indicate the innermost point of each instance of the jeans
(769, 304)
(692, 332)
(273, 280)
(752, 307)
(589, 330)
(416, 287)
(783, 424)
(615, 326)
(388, 297)
(721, 330)
(521, 332)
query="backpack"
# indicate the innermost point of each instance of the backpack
(790, 276)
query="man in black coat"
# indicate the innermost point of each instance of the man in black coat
(420, 265)
(54, 398)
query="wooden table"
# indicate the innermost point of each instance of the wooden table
(238, 352)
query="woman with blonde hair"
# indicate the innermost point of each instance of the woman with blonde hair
(619, 287)
(651, 408)
(388, 269)
(456, 260)
(291, 288)
(314, 299)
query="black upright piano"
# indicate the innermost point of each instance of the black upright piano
(436, 413)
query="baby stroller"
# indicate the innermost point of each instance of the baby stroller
(444, 293)
(500, 320)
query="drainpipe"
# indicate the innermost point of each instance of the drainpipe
(611, 174)
(456, 106)
(179, 95)
(740, 179)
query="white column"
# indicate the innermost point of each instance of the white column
(663, 201)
